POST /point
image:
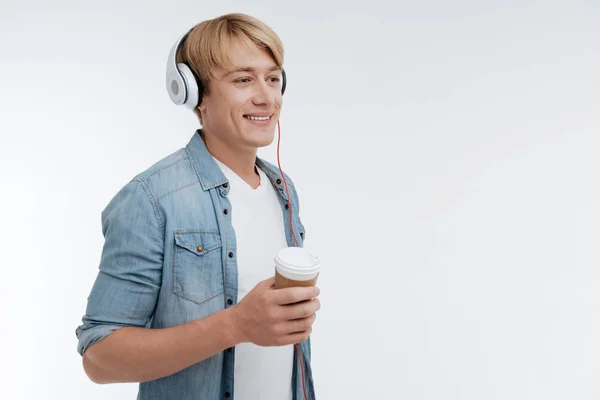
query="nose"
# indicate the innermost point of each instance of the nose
(264, 94)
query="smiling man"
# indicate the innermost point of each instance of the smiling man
(184, 301)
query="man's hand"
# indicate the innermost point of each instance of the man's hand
(276, 317)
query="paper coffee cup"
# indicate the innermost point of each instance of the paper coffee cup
(295, 266)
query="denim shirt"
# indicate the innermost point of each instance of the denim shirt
(170, 257)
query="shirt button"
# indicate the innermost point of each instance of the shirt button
(278, 181)
(287, 206)
(225, 184)
(225, 211)
(227, 394)
(200, 249)
(230, 254)
(229, 301)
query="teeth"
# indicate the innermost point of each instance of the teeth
(256, 118)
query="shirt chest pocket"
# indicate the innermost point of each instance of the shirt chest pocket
(197, 265)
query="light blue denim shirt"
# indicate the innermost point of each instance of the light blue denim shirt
(170, 257)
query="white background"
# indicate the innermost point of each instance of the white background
(446, 155)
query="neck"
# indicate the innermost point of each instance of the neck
(240, 160)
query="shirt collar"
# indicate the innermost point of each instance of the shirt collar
(211, 176)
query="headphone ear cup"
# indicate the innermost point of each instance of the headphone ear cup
(191, 84)
(283, 81)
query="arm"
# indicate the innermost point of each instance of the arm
(266, 317)
(133, 354)
(114, 340)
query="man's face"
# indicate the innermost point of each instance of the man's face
(244, 101)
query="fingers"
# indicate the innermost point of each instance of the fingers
(298, 337)
(295, 326)
(294, 331)
(301, 325)
(295, 294)
(300, 310)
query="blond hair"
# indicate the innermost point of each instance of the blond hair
(206, 48)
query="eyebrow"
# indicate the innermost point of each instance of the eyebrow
(250, 69)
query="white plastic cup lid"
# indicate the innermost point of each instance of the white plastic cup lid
(297, 263)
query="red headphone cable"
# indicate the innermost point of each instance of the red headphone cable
(295, 239)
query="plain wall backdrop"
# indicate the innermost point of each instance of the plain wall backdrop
(446, 155)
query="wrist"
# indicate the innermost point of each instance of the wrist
(236, 325)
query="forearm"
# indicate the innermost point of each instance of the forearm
(133, 354)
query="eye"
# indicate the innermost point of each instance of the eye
(243, 80)
(274, 79)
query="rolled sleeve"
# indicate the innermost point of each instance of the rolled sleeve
(130, 272)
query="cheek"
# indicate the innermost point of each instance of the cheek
(224, 113)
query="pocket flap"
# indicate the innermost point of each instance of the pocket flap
(198, 242)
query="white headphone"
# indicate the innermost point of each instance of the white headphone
(183, 86)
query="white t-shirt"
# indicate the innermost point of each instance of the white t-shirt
(260, 372)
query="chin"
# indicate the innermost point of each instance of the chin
(261, 138)
(264, 142)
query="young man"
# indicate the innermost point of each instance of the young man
(184, 300)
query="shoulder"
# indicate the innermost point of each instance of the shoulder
(167, 173)
(166, 162)
(155, 181)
